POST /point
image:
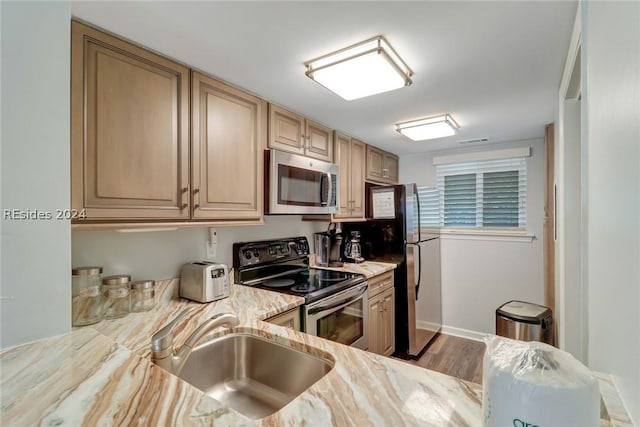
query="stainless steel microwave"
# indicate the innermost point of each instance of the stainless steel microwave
(299, 185)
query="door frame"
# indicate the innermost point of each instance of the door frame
(571, 284)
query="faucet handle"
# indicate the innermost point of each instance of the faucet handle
(162, 340)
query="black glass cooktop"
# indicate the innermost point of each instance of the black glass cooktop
(312, 284)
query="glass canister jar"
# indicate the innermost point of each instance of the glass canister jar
(142, 295)
(115, 291)
(86, 299)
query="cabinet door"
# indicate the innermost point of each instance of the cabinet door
(390, 168)
(342, 153)
(374, 164)
(375, 323)
(229, 127)
(319, 141)
(129, 130)
(387, 332)
(358, 166)
(288, 319)
(286, 130)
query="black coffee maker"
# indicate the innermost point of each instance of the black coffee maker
(335, 248)
(328, 246)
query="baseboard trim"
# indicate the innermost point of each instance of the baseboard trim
(456, 332)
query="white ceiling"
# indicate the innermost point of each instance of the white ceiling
(494, 66)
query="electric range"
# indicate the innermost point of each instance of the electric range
(336, 302)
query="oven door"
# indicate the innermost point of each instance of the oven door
(342, 317)
(301, 185)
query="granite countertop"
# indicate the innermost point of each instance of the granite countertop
(101, 375)
(367, 268)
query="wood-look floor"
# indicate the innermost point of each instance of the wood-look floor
(458, 357)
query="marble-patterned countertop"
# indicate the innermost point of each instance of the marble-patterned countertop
(101, 375)
(367, 268)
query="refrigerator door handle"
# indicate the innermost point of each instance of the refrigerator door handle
(419, 262)
(419, 268)
(415, 190)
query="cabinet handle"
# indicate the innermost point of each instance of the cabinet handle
(184, 190)
(302, 141)
(196, 205)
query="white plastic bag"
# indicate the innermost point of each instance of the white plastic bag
(532, 384)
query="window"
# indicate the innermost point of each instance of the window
(477, 194)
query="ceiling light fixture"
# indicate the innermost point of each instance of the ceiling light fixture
(429, 128)
(360, 70)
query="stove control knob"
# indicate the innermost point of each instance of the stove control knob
(247, 254)
(256, 253)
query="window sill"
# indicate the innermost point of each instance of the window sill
(482, 234)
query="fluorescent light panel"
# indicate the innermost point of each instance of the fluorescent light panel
(429, 128)
(361, 70)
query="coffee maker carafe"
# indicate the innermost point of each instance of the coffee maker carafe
(352, 249)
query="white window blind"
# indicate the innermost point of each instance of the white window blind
(429, 199)
(481, 194)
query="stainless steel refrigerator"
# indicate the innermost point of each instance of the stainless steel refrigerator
(392, 233)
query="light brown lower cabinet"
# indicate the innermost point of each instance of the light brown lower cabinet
(381, 314)
(288, 319)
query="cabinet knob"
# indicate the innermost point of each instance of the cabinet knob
(196, 190)
(185, 189)
(196, 206)
(184, 206)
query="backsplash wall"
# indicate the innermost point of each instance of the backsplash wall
(160, 254)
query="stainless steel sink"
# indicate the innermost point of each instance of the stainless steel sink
(251, 374)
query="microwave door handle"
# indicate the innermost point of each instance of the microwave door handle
(326, 176)
(345, 302)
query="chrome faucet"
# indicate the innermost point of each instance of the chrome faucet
(162, 341)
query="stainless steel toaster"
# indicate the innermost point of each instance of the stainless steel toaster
(204, 281)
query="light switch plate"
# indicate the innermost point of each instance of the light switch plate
(212, 243)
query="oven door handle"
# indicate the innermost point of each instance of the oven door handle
(346, 301)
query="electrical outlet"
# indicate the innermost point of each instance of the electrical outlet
(212, 243)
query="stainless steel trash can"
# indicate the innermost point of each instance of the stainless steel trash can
(524, 321)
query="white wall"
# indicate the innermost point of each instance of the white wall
(611, 110)
(35, 278)
(480, 274)
(160, 254)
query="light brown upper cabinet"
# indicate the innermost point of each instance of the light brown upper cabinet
(293, 133)
(350, 157)
(228, 131)
(381, 166)
(130, 145)
(129, 130)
